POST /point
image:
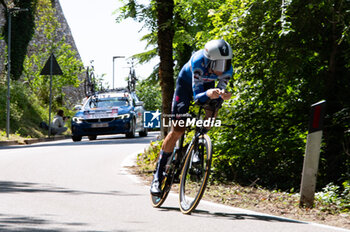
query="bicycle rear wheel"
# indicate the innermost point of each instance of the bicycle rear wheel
(194, 175)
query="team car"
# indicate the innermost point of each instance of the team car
(116, 112)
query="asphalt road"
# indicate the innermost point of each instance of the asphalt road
(65, 186)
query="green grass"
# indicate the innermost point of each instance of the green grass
(26, 113)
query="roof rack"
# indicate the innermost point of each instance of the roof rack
(114, 90)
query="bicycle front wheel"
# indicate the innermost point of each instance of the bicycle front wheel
(195, 173)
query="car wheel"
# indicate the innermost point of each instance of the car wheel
(76, 138)
(132, 132)
(92, 137)
(143, 133)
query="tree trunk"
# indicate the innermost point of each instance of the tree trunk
(165, 51)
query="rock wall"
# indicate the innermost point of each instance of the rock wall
(73, 95)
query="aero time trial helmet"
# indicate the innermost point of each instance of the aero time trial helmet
(219, 53)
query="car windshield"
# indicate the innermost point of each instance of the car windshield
(107, 102)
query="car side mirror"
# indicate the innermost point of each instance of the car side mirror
(77, 107)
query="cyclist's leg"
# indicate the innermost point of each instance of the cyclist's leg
(181, 102)
(166, 151)
(180, 106)
(171, 139)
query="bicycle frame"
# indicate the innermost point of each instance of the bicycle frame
(198, 133)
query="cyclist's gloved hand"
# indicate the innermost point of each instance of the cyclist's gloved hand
(213, 93)
(225, 95)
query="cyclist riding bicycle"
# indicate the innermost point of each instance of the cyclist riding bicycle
(196, 81)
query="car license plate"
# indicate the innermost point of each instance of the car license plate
(98, 125)
(97, 116)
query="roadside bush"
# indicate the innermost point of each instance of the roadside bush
(150, 93)
(25, 111)
(266, 145)
(334, 198)
(149, 157)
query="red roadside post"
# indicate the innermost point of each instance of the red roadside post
(312, 155)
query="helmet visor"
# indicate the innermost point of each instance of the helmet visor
(220, 65)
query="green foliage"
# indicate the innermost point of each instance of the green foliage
(334, 198)
(281, 59)
(47, 27)
(287, 56)
(149, 157)
(150, 94)
(26, 112)
(243, 153)
(22, 30)
(147, 15)
(190, 22)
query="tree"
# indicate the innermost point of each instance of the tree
(165, 50)
(22, 31)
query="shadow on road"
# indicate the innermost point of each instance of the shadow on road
(236, 216)
(112, 140)
(27, 187)
(11, 223)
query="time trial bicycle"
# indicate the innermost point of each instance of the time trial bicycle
(189, 164)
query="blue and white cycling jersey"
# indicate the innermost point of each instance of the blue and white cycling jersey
(194, 80)
(199, 74)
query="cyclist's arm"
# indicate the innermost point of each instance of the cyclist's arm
(223, 81)
(199, 92)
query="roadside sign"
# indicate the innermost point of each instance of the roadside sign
(56, 70)
(51, 68)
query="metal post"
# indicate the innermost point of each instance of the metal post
(51, 66)
(113, 74)
(312, 155)
(115, 57)
(8, 74)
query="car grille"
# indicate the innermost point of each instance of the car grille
(99, 120)
(105, 129)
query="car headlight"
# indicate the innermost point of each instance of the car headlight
(123, 116)
(77, 119)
